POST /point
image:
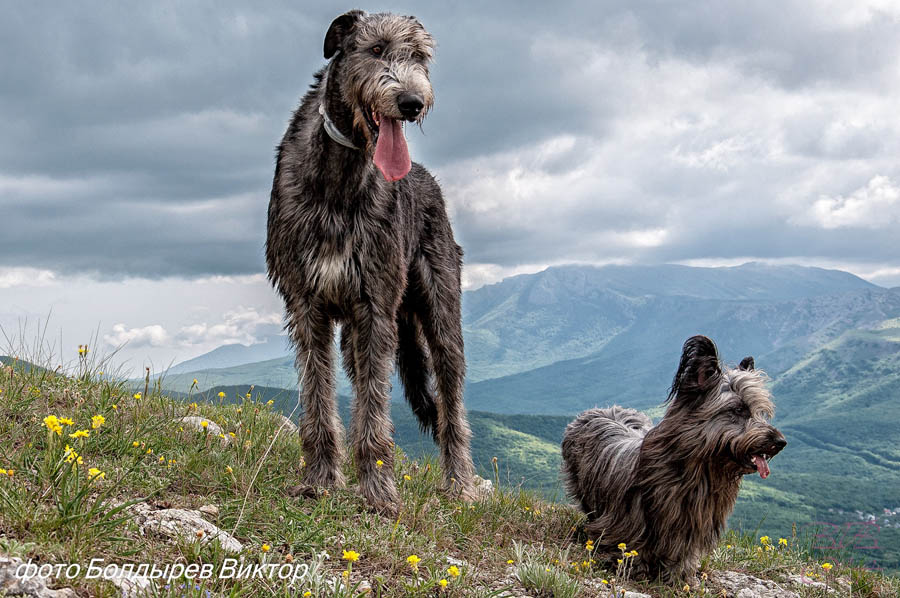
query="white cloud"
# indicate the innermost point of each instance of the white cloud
(146, 336)
(239, 326)
(25, 277)
(874, 206)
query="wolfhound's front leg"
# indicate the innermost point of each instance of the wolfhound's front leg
(374, 342)
(320, 426)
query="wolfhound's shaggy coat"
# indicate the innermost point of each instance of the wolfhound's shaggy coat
(359, 235)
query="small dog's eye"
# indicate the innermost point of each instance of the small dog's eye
(377, 50)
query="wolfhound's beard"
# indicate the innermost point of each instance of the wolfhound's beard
(667, 491)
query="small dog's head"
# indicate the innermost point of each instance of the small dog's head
(381, 63)
(727, 409)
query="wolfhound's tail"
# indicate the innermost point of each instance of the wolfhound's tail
(413, 367)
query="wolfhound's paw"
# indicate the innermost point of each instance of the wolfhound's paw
(468, 490)
(378, 488)
(324, 477)
(303, 491)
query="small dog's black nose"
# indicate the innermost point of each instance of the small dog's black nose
(779, 443)
(410, 104)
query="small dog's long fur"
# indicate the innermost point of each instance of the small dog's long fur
(666, 491)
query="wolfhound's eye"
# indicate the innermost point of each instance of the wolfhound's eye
(377, 50)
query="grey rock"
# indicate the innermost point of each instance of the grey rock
(212, 428)
(131, 585)
(483, 487)
(741, 585)
(34, 587)
(289, 426)
(802, 581)
(211, 510)
(183, 524)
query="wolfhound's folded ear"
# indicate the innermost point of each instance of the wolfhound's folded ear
(339, 29)
(747, 364)
(698, 371)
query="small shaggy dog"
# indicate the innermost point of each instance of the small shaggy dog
(358, 235)
(666, 491)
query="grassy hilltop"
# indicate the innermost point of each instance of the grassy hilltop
(84, 484)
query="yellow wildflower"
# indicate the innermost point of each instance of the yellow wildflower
(97, 421)
(379, 463)
(115, 407)
(764, 540)
(52, 423)
(149, 451)
(509, 562)
(406, 477)
(66, 421)
(782, 542)
(307, 594)
(80, 434)
(351, 555)
(221, 395)
(443, 584)
(195, 382)
(453, 571)
(204, 423)
(93, 472)
(266, 548)
(228, 469)
(622, 546)
(827, 566)
(413, 561)
(270, 402)
(135, 444)
(137, 395)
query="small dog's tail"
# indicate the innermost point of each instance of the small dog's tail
(413, 368)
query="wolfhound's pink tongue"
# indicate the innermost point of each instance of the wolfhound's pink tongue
(761, 466)
(391, 153)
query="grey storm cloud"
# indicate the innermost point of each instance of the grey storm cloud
(138, 139)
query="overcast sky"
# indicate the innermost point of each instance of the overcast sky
(137, 148)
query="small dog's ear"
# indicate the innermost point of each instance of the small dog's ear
(339, 29)
(698, 371)
(747, 364)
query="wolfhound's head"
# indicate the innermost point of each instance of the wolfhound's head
(380, 63)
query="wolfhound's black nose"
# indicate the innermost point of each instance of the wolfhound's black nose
(410, 104)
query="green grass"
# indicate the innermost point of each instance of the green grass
(55, 511)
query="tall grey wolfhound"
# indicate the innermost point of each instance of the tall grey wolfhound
(666, 491)
(359, 235)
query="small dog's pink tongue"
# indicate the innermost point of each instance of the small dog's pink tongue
(391, 153)
(761, 466)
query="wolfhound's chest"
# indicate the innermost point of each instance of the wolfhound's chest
(332, 272)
